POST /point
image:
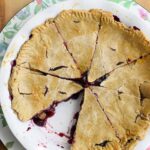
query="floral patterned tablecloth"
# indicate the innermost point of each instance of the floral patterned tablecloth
(14, 26)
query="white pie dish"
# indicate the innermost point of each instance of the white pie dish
(41, 138)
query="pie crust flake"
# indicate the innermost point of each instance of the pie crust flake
(94, 53)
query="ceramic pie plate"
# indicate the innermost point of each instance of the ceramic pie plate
(31, 136)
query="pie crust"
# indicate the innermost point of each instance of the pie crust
(117, 45)
(125, 114)
(92, 127)
(90, 51)
(131, 78)
(36, 92)
(46, 52)
(81, 35)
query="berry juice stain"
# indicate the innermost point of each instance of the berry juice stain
(41, 119)
(116, 18)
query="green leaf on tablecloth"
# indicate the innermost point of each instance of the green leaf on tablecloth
(16, 27)
(9, 34)
(22, 15)
(116, 1)
(125, 3)
(47, 1)
(9, 23)
(61, 0)
(1, 58)
(44, 6)
(37, 8)
(3, 46)
(128, 4)
(9, 144)
(1, 112)
(54, 1)
(4, 123)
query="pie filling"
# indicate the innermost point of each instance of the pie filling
(41, 118)
(98, 82)
(116, 18)
(103, 144)
(121, 137)
(57, 68)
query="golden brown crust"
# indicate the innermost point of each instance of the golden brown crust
(129, 30)
(133, 80)
(124, 113)
(72, 43)
(45, 51)
(81, 35)
(80, 14)
(117, 45)
(36, 92)
(92, 127)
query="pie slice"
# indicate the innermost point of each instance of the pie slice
(124, 112)
(79, 29)
(117, 45)
(131, 79)
(93, 131)
(35, 92)
(46, 52)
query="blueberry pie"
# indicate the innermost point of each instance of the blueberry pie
(93, 53)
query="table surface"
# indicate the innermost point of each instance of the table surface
(8, 8)
(144, 3)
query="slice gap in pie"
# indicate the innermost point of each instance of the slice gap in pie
(117, 46)
(36, 92)
(125, 113)
(93, 130)
(40, 119)
(79, 34)
(45, 51)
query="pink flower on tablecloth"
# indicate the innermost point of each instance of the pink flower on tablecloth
(148, 148)
(39, 2)
(143, 14)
